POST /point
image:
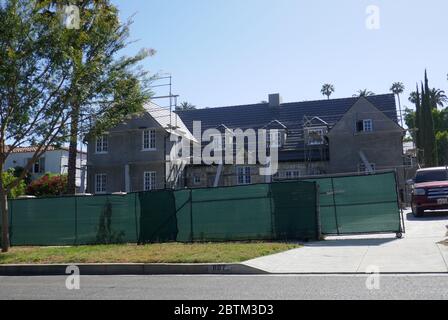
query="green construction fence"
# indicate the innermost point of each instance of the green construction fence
(255, 212)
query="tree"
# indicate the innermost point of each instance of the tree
(34, 88)
(397, 89)
(100, 84)
(327, 90)
(364, 93)
(186, 106)
(16, 190)
(426, 121)
(438, 98)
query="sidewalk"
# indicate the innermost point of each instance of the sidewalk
(418, 252)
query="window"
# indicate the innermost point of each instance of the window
(244, 176)
(363, 169)
(219, 142)
(100, 183)
(276, 137)
(197, 180)
(102, 144)
(38, 166)
(149, 181)
(315, 137)
(292, 174)
(149, 140)
(365, 126)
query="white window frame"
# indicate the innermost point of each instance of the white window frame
(149, 140)
(100, 183)
(102, 144)
(197, 180)
(243, 176)
(292, 174)
(316, 143)
(367, 125)
(271, 135)
(151, 184)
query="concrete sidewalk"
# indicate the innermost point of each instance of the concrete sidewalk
(419, 251)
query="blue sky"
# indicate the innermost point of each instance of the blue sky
(230, 52)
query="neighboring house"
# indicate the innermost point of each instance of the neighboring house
(352, 135)
(55, 161)
(138, 154)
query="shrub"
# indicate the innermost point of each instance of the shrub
(48, 185)
(8, 178)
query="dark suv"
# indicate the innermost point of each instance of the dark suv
(430, 190)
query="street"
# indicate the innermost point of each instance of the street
(227, 287)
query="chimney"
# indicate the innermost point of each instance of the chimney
(274, 101)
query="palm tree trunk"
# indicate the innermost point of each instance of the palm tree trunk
(401, 112)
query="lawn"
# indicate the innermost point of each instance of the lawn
(154, 253)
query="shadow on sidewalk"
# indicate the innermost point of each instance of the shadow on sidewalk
(352, 242)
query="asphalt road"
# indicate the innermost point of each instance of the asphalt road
(227, 287)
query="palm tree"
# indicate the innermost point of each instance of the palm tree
(438, 97)
(397, 89)
(327, 90)
(363, 93)
(413, 97)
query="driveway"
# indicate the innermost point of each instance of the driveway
(420, 251)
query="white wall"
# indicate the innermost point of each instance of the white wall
(55, 162)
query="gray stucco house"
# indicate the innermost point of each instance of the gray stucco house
(133, 156)
(351, 135)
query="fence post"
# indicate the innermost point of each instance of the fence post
(273, 233)
(137, 236)
(76, 220)
(317, 204)
(191, 216)
(335, 208)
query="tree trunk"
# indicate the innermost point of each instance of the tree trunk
(401, 111)
(73, 149)
(5, 220)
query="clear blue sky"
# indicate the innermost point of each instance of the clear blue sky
(229, 52)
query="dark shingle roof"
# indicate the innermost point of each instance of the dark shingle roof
(291, 115)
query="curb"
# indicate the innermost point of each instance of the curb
(130, 269)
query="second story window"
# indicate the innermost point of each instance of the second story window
(149, 140)
(315, 137)
(275, 138)
(102, 144)
(365, 125)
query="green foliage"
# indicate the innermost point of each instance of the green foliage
(424, 126)
(8, 178)
(186, 106)
(327, 90)
(49, 185)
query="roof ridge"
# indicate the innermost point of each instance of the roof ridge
(284, 104)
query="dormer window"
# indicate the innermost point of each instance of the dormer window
(275, 138)
(365, 125)
(315, 137)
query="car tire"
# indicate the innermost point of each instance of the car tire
(417, 212)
